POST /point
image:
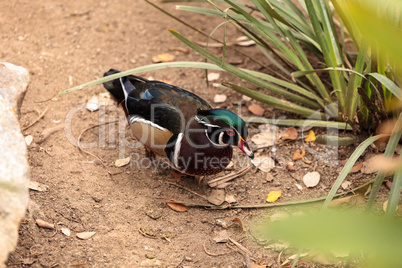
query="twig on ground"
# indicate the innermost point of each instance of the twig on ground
(191, 191)
(47, 132)
(218, 181)
(291, 203)
(182, 260)
(213, 254)
(241, 247)
(91, 154)
(146, 235)
(36, 120)
(247, 260)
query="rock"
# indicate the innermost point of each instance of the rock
(14, 169)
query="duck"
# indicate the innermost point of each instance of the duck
(179, 126)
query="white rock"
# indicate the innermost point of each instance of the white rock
(14, 168)
(219, 98)
(28, 140)
(93, 104)
(311, 179)
(213, 76)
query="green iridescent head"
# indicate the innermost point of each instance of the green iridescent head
(224, 127)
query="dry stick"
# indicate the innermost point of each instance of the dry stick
(191, 191)
(213, 254)
(241, 247)
(226, 178)
(36, 120)
(47, 132)
(182, 260)
(188, 204)
(91, 154)
(146, 235)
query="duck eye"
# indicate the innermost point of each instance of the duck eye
(230, 132)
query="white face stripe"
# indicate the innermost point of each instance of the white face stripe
(216, 144)
(137, 119)
(204, 123)
(177, 147)
(221, 138)
(124, 90)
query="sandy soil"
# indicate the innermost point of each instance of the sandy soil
(66, 43)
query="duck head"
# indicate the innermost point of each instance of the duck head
(224, 128)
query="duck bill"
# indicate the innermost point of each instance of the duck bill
(244, 147)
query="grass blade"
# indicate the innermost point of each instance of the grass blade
(394, 194)
(348, 166)
(275, 102)
(240, 73)
(389, 152)
(298, 122)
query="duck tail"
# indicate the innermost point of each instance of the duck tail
(120, 88)
(115, 86)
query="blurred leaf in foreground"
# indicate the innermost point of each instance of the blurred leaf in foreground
(376, 238)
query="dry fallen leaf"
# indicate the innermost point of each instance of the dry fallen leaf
(44, 224)
(289, 134)
(310, 137)
(351, 200)
(290, 166)
(345, 184)
(269, 177)
(246, 98)
(311, 179)
(264, 163)
(255, 265)
(299, 154)
(230, 199)
(240, 222)
(264, 139)
(356, 168)
(382, 163)
(219, 98)
(222, 237)
(244, 41)
(36, 186)
(371, 165)
(384, 128)
(66, 231)
(388, 184)
(85, 235)
(165, 57)
(256, 109)
(122, 162)
(273, 196)
(176, 206)
(217, 197)
(213, 76)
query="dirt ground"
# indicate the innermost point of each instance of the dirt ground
(67, 43)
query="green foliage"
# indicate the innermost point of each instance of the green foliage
(282, 32)
(376, 239)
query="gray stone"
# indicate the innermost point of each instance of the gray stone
(14, 169)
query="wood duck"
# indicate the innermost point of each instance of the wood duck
(178, 125)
